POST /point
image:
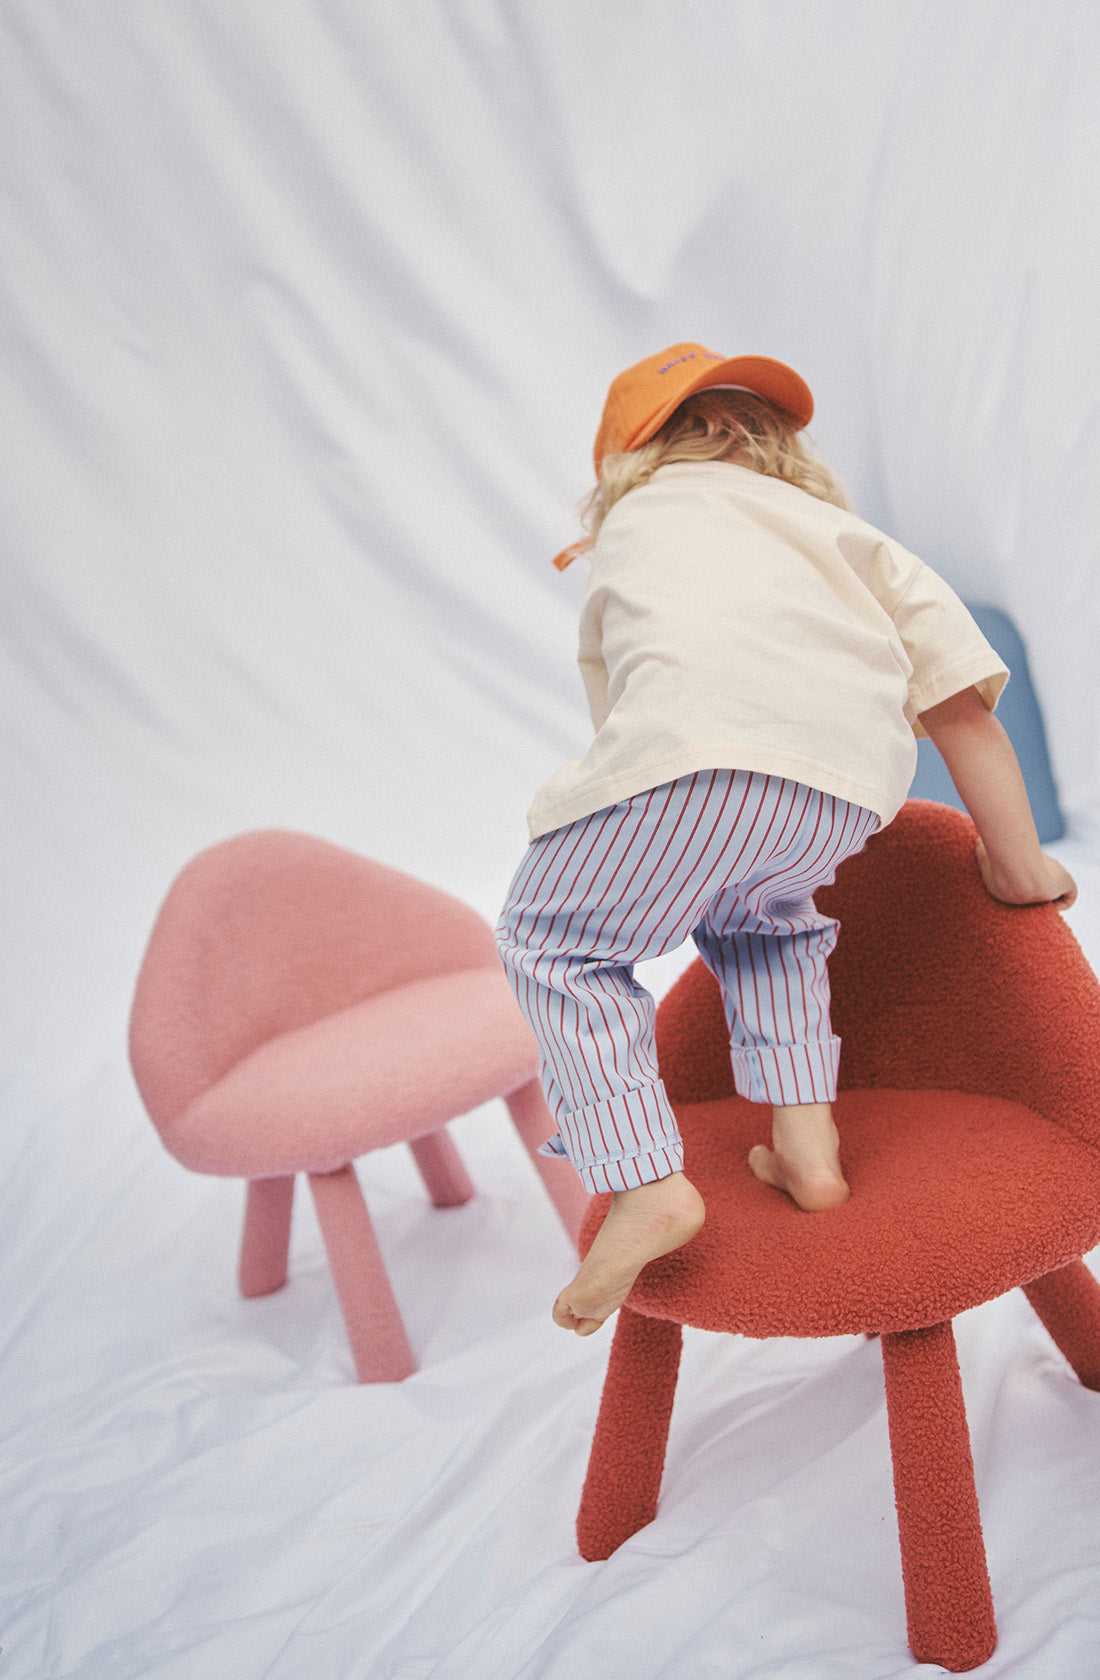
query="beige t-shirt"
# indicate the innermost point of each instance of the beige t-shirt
(733, 621)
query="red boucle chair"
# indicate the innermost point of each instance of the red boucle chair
(299, 1005)
(969, 1115)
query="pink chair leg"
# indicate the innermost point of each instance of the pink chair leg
(1068, 1302)
(947, 1596)
(533, 1122)
(265, 1240)
(379, 1345)
(442, 1169)
(628, 1448)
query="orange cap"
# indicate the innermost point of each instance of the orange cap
(641, 399)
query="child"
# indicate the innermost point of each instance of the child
(758, 663)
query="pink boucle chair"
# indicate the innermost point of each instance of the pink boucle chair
(299, 1006)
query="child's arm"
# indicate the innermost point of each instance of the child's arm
(985, 772)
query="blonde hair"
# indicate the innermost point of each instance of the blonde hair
(715, 425)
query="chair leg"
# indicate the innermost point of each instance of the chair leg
(534, 1123)
(947, 1594)
(442, 1169)
(379, 1345)
(1068, 1302)
(265, 1240)
(628, 1448)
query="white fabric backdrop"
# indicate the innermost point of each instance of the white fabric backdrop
(310, 307)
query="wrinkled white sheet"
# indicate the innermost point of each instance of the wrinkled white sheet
(309, 310)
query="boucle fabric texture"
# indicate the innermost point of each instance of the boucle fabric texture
(421, 1054)
(955, 1199)
(948, 1600)
(969, 1109)
(300, 1005)
(969, 1114)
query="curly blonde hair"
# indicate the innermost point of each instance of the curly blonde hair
(715, 425)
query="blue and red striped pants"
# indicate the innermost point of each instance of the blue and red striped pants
(731, 857)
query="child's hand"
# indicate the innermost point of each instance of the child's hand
(1043, 883)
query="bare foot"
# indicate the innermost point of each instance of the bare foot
(640, 1225)
(805, 1157)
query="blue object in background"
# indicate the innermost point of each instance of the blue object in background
(1019, 711)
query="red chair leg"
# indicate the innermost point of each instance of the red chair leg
(265, 1240)
(379, 1345)
(533, 1122)
(947, 1595)
(628, 1449)
(1068, 1302)
(442, 1169)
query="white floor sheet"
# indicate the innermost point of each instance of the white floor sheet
(309, 310)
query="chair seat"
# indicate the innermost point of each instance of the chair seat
(384, 1071)
(956, 1198)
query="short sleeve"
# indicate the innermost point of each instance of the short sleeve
(945, 647)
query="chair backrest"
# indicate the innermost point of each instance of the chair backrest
(270, 931)
(935, 985)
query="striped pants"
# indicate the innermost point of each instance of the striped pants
(731, 857)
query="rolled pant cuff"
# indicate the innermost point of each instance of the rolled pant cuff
(625, 1141)
(787, 1073)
